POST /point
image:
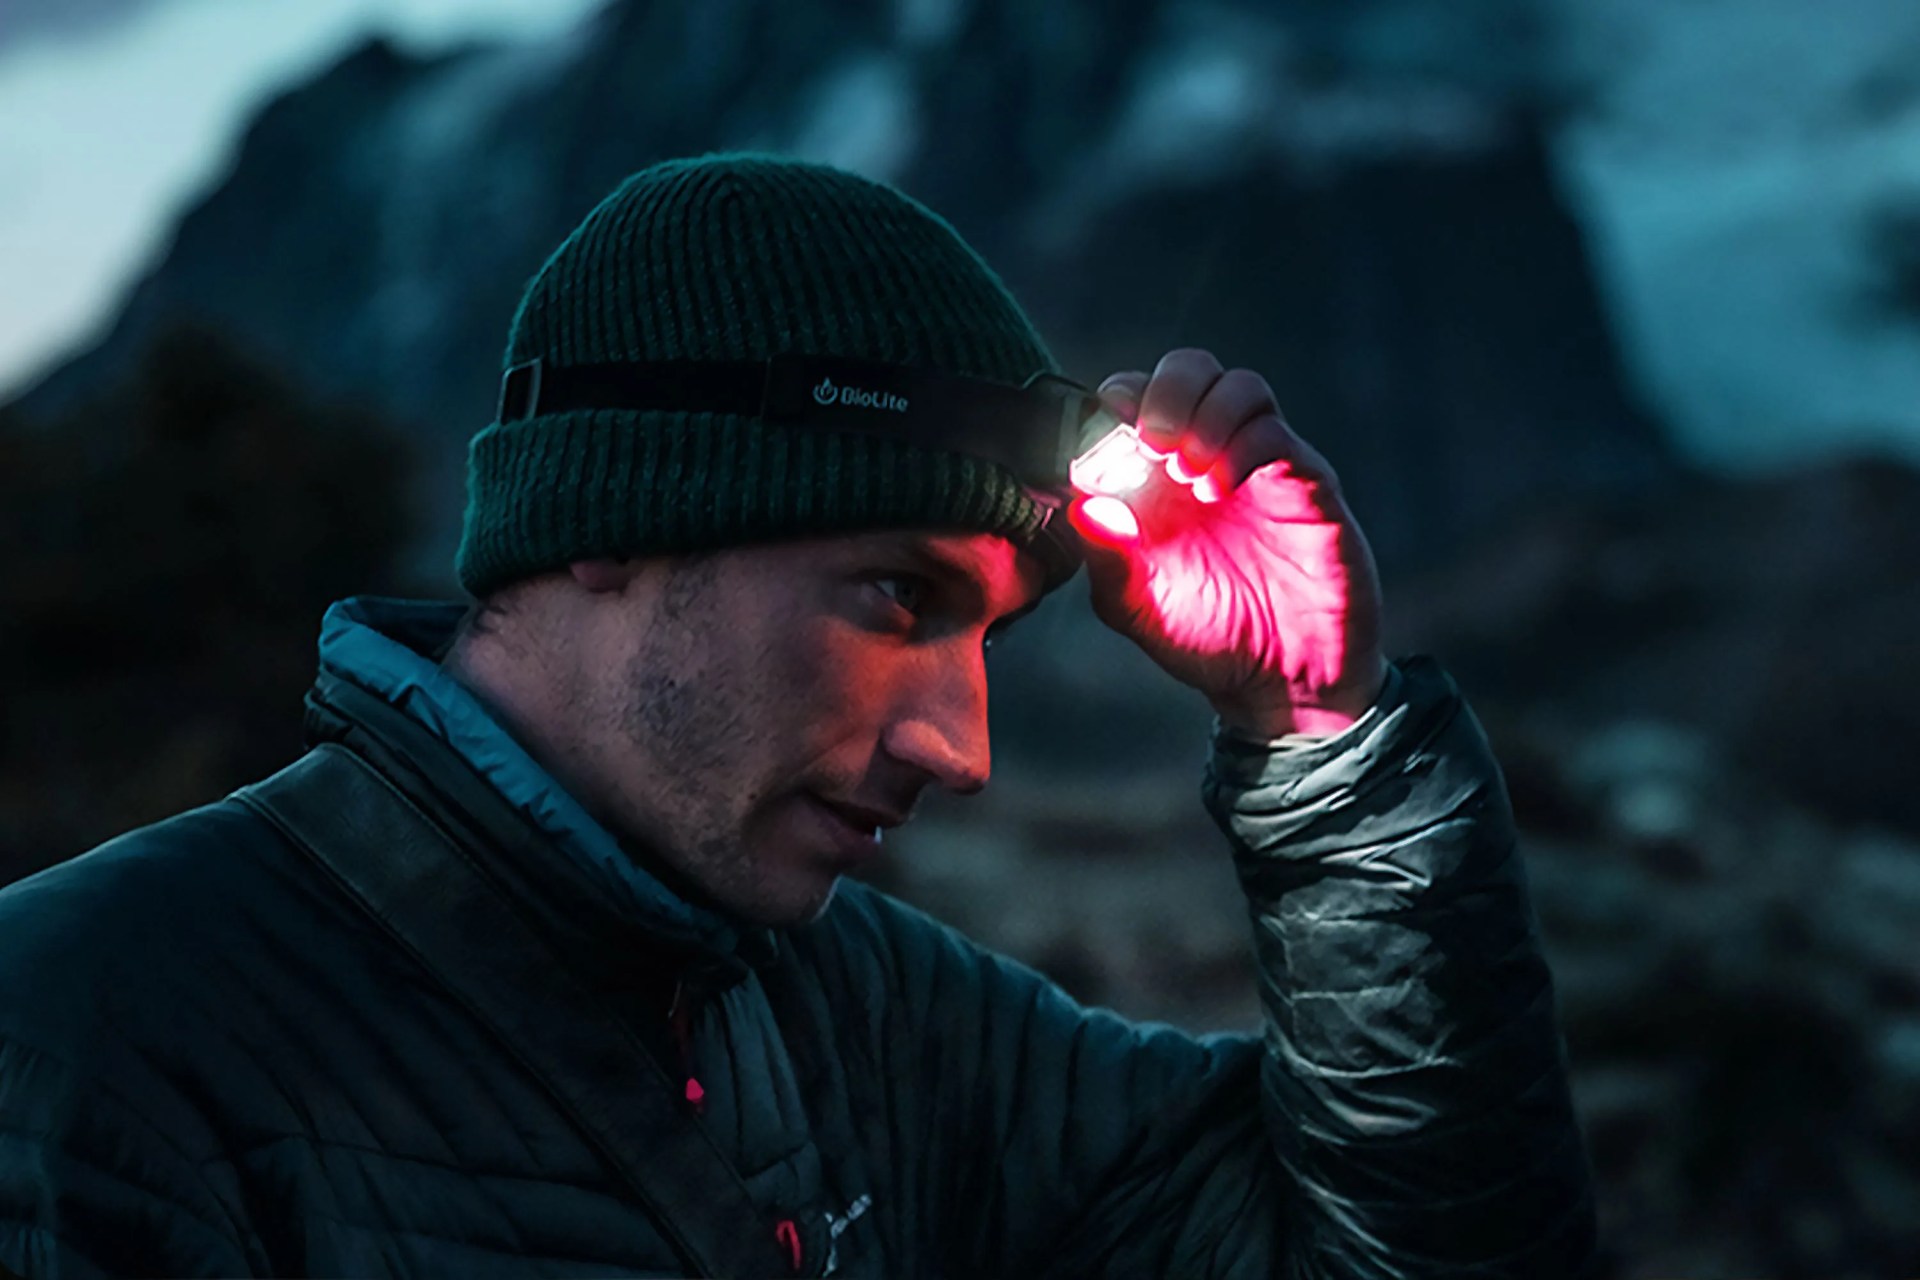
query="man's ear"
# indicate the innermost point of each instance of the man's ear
(607, 574)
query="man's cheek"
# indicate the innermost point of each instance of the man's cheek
(821, 663)
(840, 705)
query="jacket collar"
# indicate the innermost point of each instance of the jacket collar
(381, 691)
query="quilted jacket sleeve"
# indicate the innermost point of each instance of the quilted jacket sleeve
(1415, 1082)
(88, 1188)
(1405, 1113)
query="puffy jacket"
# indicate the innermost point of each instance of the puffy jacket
(223, 1052)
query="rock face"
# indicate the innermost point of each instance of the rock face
(1145, 175)
(1773, 617)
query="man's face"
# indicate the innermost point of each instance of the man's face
(752, 716)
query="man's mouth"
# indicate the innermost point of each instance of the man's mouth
(859, 827)
(862, 817)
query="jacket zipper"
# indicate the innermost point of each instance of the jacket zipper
(680, 1022)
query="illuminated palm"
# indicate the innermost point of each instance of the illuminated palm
(1266, 599)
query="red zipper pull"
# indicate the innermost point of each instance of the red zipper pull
(680, 1020)
(788, 1234)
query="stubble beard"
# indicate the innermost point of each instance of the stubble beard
(690, 721)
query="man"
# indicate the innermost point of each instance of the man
(541, 961)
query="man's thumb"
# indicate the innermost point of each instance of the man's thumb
(1111, 534)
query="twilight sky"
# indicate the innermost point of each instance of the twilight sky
(115, 114)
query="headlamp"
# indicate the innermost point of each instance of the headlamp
(1118, 464)
(1034, 431)
(1118, 467)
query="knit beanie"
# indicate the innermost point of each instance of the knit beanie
(742, 256)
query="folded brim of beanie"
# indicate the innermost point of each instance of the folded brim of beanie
(549, 490)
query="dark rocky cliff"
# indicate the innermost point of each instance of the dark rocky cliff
(1392, 252)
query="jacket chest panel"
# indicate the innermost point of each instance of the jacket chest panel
(329, 1209)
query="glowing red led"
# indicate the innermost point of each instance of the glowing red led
(1117, 464)
(1112, 515)
(1115, 472)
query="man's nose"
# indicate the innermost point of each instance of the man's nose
(941, 729)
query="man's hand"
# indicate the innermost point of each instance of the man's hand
(1265, 600)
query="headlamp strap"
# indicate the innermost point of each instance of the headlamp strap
(1033, 431)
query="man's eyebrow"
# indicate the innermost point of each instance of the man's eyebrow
(958, 573)
(948, 568)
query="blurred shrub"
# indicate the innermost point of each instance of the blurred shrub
(165, 555)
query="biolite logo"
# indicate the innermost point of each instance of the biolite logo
(854, 397)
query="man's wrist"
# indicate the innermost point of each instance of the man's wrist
(1326, 713)
(1315, 722)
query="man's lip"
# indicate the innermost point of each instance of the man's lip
(861, 816)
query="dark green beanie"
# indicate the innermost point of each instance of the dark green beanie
(741, 257)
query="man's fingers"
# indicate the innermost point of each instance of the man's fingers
(1109, 532)
(1122, 391)
(1225, 424)
(1179, 382)
(1239, 396)
(1265, 441)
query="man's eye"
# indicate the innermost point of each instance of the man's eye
(909, 593)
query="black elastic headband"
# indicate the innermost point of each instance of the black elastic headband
(1033, 430)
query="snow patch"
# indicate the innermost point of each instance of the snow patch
(1226, 92)
(863, 117)
(927, 24)
(1729, 173)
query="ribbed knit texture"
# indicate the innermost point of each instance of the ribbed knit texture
(741, 256)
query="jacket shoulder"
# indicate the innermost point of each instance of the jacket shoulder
(105, 960)
(141, 888)
(118, 938)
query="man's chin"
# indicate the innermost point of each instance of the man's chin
(818, 907)
(802, 905)
(813, 909)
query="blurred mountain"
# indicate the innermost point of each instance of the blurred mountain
(29, 20)
(1388, 245)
